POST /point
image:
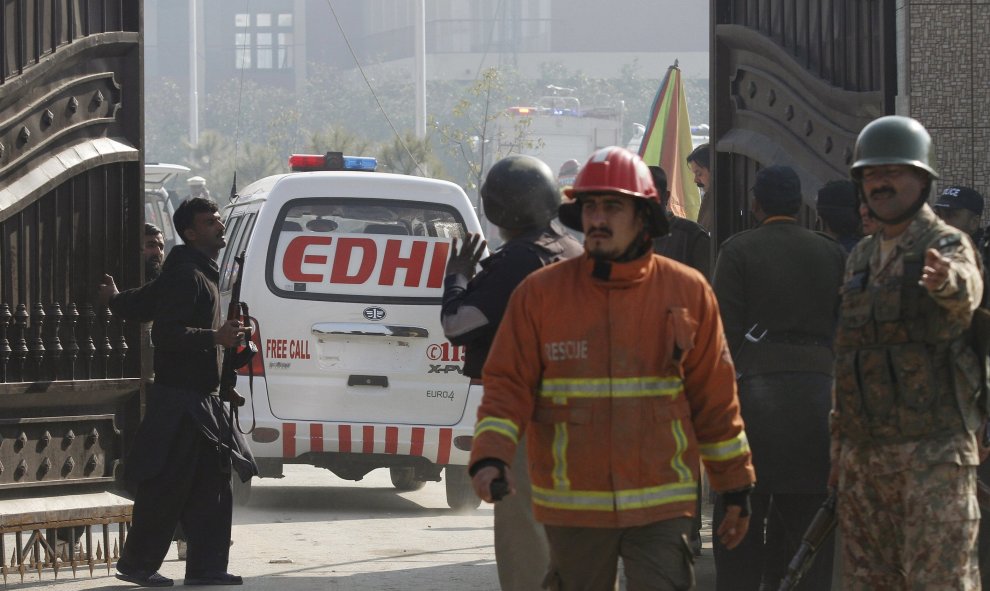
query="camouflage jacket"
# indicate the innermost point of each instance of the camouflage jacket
(904, 370)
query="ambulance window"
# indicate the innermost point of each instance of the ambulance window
(360, 249)
(238, 232)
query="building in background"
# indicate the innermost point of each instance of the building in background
(274, 42)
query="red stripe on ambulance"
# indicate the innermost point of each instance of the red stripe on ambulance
(394, 439)
(416, 445)
(443, 454)
(369, 439)
(289, 440)
(344, 438)
(315, 437)
(391, 440)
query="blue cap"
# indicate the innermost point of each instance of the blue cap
(956, 197)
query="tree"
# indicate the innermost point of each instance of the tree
(336, 110)
(479, 132)
(411, 155)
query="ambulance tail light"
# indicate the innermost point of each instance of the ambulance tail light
(257, 365)
(331, 161)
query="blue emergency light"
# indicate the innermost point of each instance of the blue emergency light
(331, 161)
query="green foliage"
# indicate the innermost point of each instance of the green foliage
(337, 139)
(410, 155)
(479, 132)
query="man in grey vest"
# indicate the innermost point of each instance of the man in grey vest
(907, 395)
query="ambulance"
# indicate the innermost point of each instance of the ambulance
(343, 278)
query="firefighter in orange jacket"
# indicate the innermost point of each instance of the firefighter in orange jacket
(615, 366)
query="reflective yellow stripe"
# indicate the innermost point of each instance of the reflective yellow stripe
(681, 441)
(620, 500)
(560, 480)
(501, 426)
(611, 387)
(725, 450)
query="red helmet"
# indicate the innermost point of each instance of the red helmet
(618, 171)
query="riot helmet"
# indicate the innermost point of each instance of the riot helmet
(618, 171)
(520, 192)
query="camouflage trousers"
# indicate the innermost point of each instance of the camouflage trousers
(909, 529)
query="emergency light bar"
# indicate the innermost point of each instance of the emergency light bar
(331, 161)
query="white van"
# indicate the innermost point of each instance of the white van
(343, 277)
(158, 206)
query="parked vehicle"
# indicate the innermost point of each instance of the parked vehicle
(158, 204)
(343, 277)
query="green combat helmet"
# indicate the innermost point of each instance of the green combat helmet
(894, 140)
(520, 192)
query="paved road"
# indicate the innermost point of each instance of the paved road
(312, 531)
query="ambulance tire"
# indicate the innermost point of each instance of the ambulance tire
(460, 493)
(404, 479)
(241, 490)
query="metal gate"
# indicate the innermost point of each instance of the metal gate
(793, 82)
(71, 195)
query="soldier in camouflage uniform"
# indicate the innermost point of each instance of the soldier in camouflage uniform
(907, 395)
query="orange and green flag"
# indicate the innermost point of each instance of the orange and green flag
(667, 142)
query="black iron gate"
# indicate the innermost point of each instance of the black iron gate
(71, 198)
(793, 82)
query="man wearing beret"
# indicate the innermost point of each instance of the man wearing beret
(778, 289)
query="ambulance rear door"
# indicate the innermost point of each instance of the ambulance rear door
(358, 275)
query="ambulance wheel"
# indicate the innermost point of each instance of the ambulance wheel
(404, 479)
(460, 493)
(241, 490)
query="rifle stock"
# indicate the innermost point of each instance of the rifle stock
(814, 537)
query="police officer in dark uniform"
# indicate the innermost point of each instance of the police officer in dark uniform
(186, 446)
(521, 197)
(962, 208)
(778, 292)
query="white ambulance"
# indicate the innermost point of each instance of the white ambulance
(343, 277)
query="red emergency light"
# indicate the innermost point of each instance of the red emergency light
(307, 162)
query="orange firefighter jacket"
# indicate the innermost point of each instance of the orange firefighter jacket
(621, 385)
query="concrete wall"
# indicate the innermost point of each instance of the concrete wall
(944, 82)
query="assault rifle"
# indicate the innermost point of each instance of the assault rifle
(814, 537)
(233, 359)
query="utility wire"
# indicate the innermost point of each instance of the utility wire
(488, 43)
(245, 46)
(371, 88)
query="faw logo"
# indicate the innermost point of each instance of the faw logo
(359, 264)
(374, 313)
